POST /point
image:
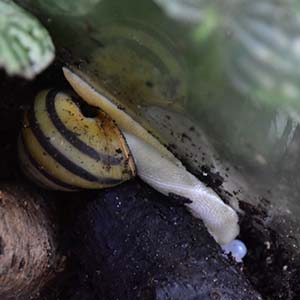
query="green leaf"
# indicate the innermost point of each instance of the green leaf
(25, 46)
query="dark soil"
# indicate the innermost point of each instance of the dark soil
(132, 244)
(272, 263)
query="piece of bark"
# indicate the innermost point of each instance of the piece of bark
(28, 253)
(130, 243)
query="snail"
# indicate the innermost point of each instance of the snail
(61, 149)
(126, 65)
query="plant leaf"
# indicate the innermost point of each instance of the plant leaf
(25, 45)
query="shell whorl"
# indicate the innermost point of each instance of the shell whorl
(61, 149)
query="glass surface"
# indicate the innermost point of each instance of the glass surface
(217, 81)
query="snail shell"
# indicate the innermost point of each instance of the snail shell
(61, 149)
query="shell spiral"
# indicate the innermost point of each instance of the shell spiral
(62, 149)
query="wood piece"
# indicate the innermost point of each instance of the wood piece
(28, 254)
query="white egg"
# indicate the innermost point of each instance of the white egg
(236, 248)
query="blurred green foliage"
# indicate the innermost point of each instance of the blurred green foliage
(251, 76)
(25, 46)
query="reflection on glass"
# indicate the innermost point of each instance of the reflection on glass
(258, 50)
(245, 87)
(218, 81)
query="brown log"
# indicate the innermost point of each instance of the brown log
(28, 254)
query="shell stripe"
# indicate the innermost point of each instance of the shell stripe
(37, 169)
(60, 157)
(71, 136)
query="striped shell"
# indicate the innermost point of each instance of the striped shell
(62, 149)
